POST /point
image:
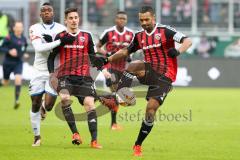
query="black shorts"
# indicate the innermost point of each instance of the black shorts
(78, 86)
(159, 85)
(115, 75)
(9, 67)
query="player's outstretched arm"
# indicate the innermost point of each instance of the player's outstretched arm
(99, 62)
(122, 53)
(173, 52)
(39, 46)
(187, 43)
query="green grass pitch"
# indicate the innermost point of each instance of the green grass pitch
(194, 124)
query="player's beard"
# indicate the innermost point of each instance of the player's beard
(148, 28)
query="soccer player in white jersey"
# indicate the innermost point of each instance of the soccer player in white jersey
(42, 36)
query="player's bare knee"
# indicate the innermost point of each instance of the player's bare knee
(18, 79)
(89, 103)
(65, 102)
(65, 97)
(153, 103)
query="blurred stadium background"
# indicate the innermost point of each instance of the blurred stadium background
(210, 69)
(213, 25)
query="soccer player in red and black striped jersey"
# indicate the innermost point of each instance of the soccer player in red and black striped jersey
(114, 39)
(73, 75)
(159, 68)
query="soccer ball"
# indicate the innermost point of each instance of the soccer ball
(125, 97)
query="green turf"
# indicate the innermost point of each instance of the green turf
(209, 129)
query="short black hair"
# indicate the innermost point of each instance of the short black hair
(121, 12)
(69, 10)
(145, 9)
(46, 4)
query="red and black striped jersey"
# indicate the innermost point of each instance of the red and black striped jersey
(74, 59)
(155, 46)
(114, 41)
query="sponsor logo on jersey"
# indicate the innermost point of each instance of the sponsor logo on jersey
(74, 46)
(82, 39)
(158, 36)
(151, 46)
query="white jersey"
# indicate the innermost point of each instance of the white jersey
(41, 47)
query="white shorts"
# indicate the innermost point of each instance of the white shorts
(39, 84)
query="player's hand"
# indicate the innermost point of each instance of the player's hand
(13, 52)
(67, 39)
(173, 52)
(47, 38)
(53, 81)
(99, 62)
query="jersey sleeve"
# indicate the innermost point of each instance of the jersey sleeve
(134, 45)
(172, 33)
(39, 45)
(92, 48)
(104, 38)
(34, 33)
